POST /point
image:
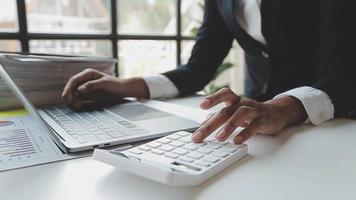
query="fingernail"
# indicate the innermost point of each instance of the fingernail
(82, 87)
(197, 136)
(221, 135)
(239, 139)
(205, 103)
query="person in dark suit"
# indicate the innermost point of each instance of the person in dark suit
(299, 66)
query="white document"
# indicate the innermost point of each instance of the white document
(22, 144)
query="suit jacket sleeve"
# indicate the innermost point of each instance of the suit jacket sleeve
(213, 42)
(337, 68)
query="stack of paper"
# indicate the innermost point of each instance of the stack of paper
(42, 78)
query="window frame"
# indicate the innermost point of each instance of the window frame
(24, 37)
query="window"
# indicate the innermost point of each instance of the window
(146, 36)
(10, 45)
(8, 17)
(152, 17)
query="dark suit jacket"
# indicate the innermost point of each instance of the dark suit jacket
(309, 43)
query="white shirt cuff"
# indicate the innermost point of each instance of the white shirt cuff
(317, 103)
(160, 87)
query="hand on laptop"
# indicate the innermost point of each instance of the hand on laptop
(268, 117)
(91, 84)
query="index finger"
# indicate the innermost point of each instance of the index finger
(223, 95)
(76, 80)
(213, 123)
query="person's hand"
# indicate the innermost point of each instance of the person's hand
(268, 117)
(90, 82)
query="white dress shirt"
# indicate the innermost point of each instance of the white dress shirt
(317, 103)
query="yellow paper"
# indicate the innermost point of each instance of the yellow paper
(13, 113)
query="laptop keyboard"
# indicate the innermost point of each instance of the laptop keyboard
(93, 126)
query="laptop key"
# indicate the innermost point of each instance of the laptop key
(104, 137)
(80, 140)
(82, 133)
(139, 130)
(91, 139)
(87, 136)
(116, 134)
(129, 132)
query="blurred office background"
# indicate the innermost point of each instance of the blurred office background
(146, 36)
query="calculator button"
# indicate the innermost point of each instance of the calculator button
(163, 141)
(199, 144)
(229, 148)
(183, 134)
(190, 147)
(171, 155)
(209, 139)
(166, 148)
(180, 151)
(144, 148)
(173, 137)
(221, 143)
(153, 145)
(195, 155)
(186, 159)
(176, 144)
(220, 154)
(186, 139)
(135, 151)
(157, 151)
(214, 146)
(205, 150)
(202, 163)
(211, 159)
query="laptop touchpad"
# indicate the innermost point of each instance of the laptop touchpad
(137, 112)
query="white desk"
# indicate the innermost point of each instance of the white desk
(303, 162)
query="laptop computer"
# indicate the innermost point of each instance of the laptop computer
(100, 126)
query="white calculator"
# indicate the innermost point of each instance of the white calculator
(175, 159)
